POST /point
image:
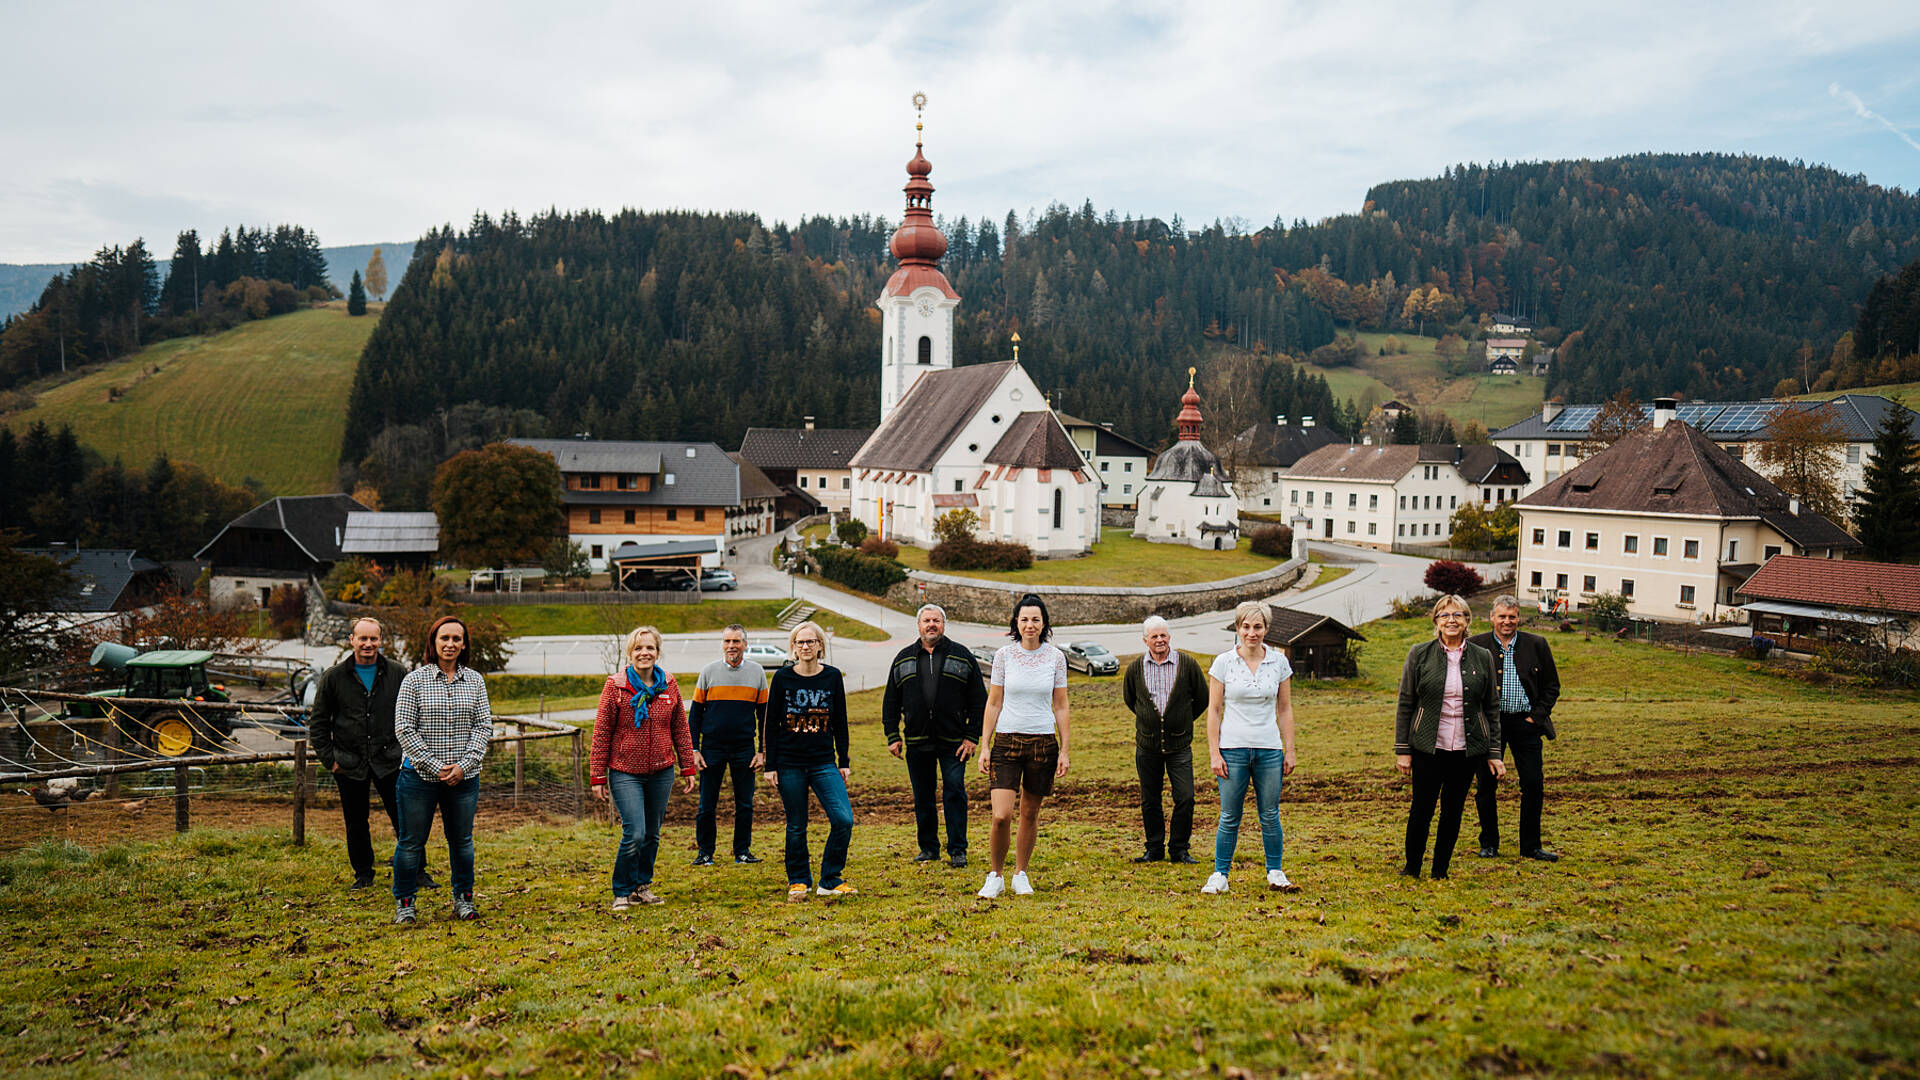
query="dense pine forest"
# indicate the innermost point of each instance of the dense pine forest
(1706, 275)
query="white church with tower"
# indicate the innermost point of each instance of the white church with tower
(980, 437)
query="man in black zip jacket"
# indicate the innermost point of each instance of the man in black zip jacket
(932, 712)
(351, 731)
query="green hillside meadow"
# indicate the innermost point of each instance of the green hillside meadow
(266, 400)
(1735, 898)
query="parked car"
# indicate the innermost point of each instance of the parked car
(718, 579)
(983, 655)
(768, 656)
(1091, 657)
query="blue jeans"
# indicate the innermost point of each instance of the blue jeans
(824, 782)
(419, 797)
(706, 824)
(1264, 767)
(641, 799)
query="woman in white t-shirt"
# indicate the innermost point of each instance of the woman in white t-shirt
(1250, 738)
(1027, 709)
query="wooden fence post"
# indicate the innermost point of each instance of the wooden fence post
(112, 741)
(300, 793)
(179, 798)
(579, 782)
(519, 762)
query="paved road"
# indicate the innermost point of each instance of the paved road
(1360, 596)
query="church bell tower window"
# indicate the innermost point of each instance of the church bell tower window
(926, 349)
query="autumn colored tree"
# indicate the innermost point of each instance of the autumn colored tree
(497, 505)
(377, 275)
(1618, 416)
(1474, 433)
(1451, 577)
(1802, 454)
(1888, 503)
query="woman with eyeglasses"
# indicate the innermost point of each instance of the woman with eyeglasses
(640, 735)
(1447, 723)
(804, 750)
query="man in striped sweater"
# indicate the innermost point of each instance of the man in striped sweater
(727, 704)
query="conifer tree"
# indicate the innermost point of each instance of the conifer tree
(1887, 508)
(356, 296)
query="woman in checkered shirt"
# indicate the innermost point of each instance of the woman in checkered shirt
(444, 722)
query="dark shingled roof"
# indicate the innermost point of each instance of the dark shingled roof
(1873, 586)
(314, 522)
(753, 483)
(1291, 624)
(930, 417)
(1678, 470)
(1280, 445)
(102, 576)
(1186, 460)
(1035, 441)
(803, 448)
(1856, 416)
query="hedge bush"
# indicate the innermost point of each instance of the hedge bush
(971, 554)
(884, 549)
(868, 573)
(1448, 576)
(1274, 541)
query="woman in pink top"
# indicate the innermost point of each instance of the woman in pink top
(1447, 723)
(640, 739)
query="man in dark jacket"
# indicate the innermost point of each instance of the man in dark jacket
(1529, 686)
(351, 731)
(1166, 690)
(932, 712)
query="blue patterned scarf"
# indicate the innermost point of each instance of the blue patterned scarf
(644, 692)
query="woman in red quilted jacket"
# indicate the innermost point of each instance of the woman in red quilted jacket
(639, 736)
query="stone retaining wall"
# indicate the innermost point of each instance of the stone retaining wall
(329, 622)
(991, 602)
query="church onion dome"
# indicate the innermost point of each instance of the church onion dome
(1187, 460)
(918, 243)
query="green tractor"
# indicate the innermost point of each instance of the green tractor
(165, 674)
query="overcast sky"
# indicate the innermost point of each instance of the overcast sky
(376, 123)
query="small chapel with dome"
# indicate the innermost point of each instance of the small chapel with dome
(1187, 498)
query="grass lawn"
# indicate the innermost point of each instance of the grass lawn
(1120, 559)
(266, 400)
(1329, 572)
(1736, 898)
(709, 614)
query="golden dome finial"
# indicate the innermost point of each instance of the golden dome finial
(919, 107)
(1016, 346)
(1190, 372)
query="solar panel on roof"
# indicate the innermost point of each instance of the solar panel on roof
(1575, 418)
(1698, 413)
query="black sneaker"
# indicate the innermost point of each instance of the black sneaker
(703, 860)
(1183, 859)
(361, 881)
(403, 913)
(425, 881)
(1541, 854)
(927, 856)
(1150, 856)
(463, 908)
(1489, 852)
(958, 861)
(746, 857)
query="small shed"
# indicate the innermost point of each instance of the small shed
(1316, 645)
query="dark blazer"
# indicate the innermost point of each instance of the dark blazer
(1533, 659)
(1172, 732)
(1423, 685)
(351, 726)
(959, 705)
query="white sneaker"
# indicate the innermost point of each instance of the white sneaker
(1277, 879)
(1216, 884)
(994, 887)
(1021, 886)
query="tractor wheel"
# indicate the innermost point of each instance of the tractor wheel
(167, 733)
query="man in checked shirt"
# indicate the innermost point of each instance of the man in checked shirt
(1166, 690)
(1529, 686)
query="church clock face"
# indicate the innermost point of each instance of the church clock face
(925, 306)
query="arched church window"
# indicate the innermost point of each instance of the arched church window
(1056, 508)
(926, 349)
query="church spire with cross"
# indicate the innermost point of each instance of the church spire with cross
(918, 303)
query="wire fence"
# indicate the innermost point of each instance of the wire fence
(72, 761)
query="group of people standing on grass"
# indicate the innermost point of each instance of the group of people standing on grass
(419, 737)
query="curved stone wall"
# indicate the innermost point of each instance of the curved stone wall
(976, 600)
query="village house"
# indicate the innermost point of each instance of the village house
(408, 540)
(283, 541)
(815, 461)
(106, 580)
(759, 501)
(644, 509)
(1667, 520)
(1506, 348)
(1377, 496)
(1257, 456)
(1549, 442)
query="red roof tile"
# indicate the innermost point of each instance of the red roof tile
(1874, 586)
